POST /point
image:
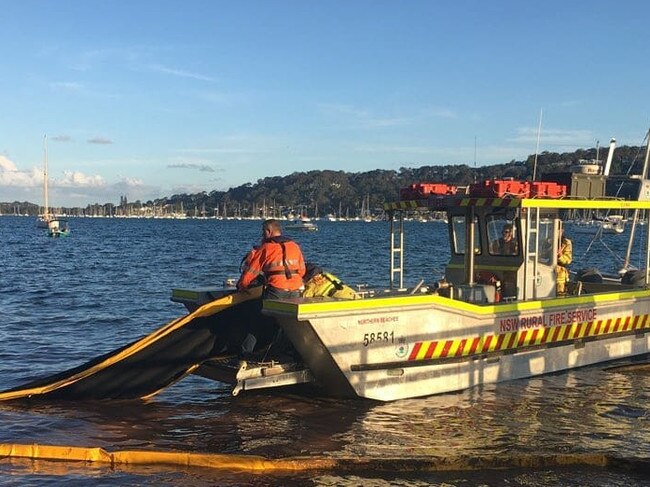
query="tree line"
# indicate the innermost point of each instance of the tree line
(318, 193)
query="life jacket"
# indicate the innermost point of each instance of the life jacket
(280, 260)
(326, 284)
(257, 278)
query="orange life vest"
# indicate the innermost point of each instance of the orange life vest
(280, 260)
(244, 268)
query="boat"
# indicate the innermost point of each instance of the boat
(614, 224)
(302, 224)
(608, 225)
(58, 227)
(366, 213)
(492, 317)
(45, 217)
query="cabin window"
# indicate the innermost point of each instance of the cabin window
(503, 235)
(458, 230)
(546, 234)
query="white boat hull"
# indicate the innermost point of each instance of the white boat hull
(394, 348)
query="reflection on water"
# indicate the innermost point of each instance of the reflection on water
(66, 301)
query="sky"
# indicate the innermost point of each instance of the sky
(147, 99)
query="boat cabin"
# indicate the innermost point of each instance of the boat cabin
(510, 252)
(504, 238)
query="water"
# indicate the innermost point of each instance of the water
(65, 301)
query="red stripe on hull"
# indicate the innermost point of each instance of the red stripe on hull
(430, 350)
(415, 351)
(446, 347)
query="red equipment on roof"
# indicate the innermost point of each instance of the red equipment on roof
(424, 190)
(496, 188)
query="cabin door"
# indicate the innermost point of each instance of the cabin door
(538, 279)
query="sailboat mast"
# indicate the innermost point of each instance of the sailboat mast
(46, 208)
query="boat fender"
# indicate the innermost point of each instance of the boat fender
(326, 284)
(589, 275)
(634, 277)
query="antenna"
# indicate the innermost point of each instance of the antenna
(475, 151)
(539, 132)
(475, 158)
(46, 208)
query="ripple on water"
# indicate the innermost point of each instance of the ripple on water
(66, 302)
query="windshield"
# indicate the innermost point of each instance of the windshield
(503, 236)
(458, 229)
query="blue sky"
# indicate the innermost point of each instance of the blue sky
(152, 98)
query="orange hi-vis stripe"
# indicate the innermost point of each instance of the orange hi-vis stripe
(522, 339)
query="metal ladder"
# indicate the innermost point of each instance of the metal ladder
(397, 250)
(532, 229)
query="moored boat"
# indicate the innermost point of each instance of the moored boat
(614, 224)
(302, 224)
(43, 220)
(58, 227)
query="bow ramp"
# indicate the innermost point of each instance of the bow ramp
(144, 367)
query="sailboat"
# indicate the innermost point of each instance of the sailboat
(56, 227)
(366, 214)
(45, 217)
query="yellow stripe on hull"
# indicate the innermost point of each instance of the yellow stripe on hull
(523, 339)
(305, 308)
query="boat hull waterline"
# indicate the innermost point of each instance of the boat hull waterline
(423, 345)
(384, 348)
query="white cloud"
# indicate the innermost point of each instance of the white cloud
(66, 86)
(6, 164)
(100, 140)
(131, 182)
(395, 149)
(362, 118)
(223, 150)
(74, 188)
(78, 179)
(179, 72)
(554, 137)
(11, 176)
(187, 189)
(192, 165)
(61, 138)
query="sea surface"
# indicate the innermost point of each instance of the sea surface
(65, 301)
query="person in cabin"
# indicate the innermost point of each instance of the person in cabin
(507, 243)
(278, 260)
(564, 258)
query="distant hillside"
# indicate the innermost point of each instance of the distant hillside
(318, 193)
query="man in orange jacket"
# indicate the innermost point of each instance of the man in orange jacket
(279, 259)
